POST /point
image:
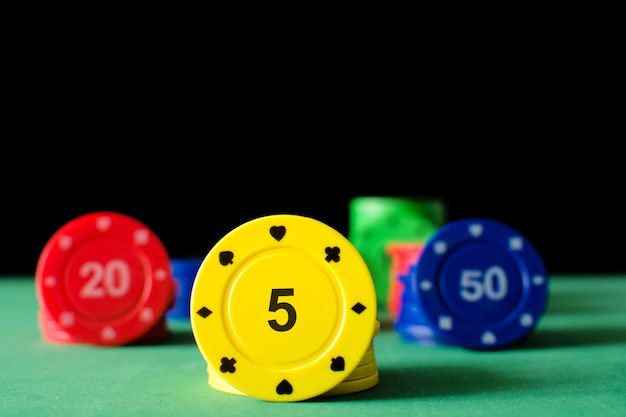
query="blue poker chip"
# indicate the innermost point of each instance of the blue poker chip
(479, 284)
(184, 273)
(411, 324)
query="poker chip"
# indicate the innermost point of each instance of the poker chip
(184, 272)
(369, 355)
(283, 308)
(403, 255)
(218, 383)
(104, 278)
(411, 323)
(362, 371)
(374, 221)
(52, 332)
(365, 373)
(355, 385)
(479, 284)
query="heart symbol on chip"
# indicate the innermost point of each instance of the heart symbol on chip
(226, 257)
(284, 388)
(278, 232)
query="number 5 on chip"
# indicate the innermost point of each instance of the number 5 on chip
(283, 307)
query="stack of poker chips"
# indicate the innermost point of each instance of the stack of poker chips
(411, 322)
(104, 279)
(53, 332)
(375, 221)
(402, 255)
(283, 308)
(184, 271)
(478, 284)
(364, 376)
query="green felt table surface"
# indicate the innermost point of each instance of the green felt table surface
(573, 364)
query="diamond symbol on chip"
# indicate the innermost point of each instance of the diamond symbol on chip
(516, 243)
(103, 223)
(526, 320)
(204, 312)
(426, 285)
(475, 229)
(358, 308)
(538, 280)
(440, 247)
(488, 338)
(445, 322)
(141, 236)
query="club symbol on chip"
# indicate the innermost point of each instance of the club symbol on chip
(332, 254)
(284, 388)
(278, 232)
(337, 364)
(228, 365)
(226, 257)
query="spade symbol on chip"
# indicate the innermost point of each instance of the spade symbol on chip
(337, 364)
(284, 388)
(226, 257)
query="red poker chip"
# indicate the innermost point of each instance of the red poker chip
(104, 278)
(52, 332)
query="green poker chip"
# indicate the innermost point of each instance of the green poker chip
(376, 221)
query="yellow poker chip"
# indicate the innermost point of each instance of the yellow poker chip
(283, 307)
(355, 385)
(369, 356)
(362, 371)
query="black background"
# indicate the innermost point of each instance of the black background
(565, 200)
(195, 136)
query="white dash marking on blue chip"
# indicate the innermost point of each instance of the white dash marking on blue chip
(445, 322)
(488, 338)
(538, 280)
(426, 285)
(516, 243)
(440, 247)
(526, 320)
(475, 229)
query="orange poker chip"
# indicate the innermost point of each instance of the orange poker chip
(104, 278)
